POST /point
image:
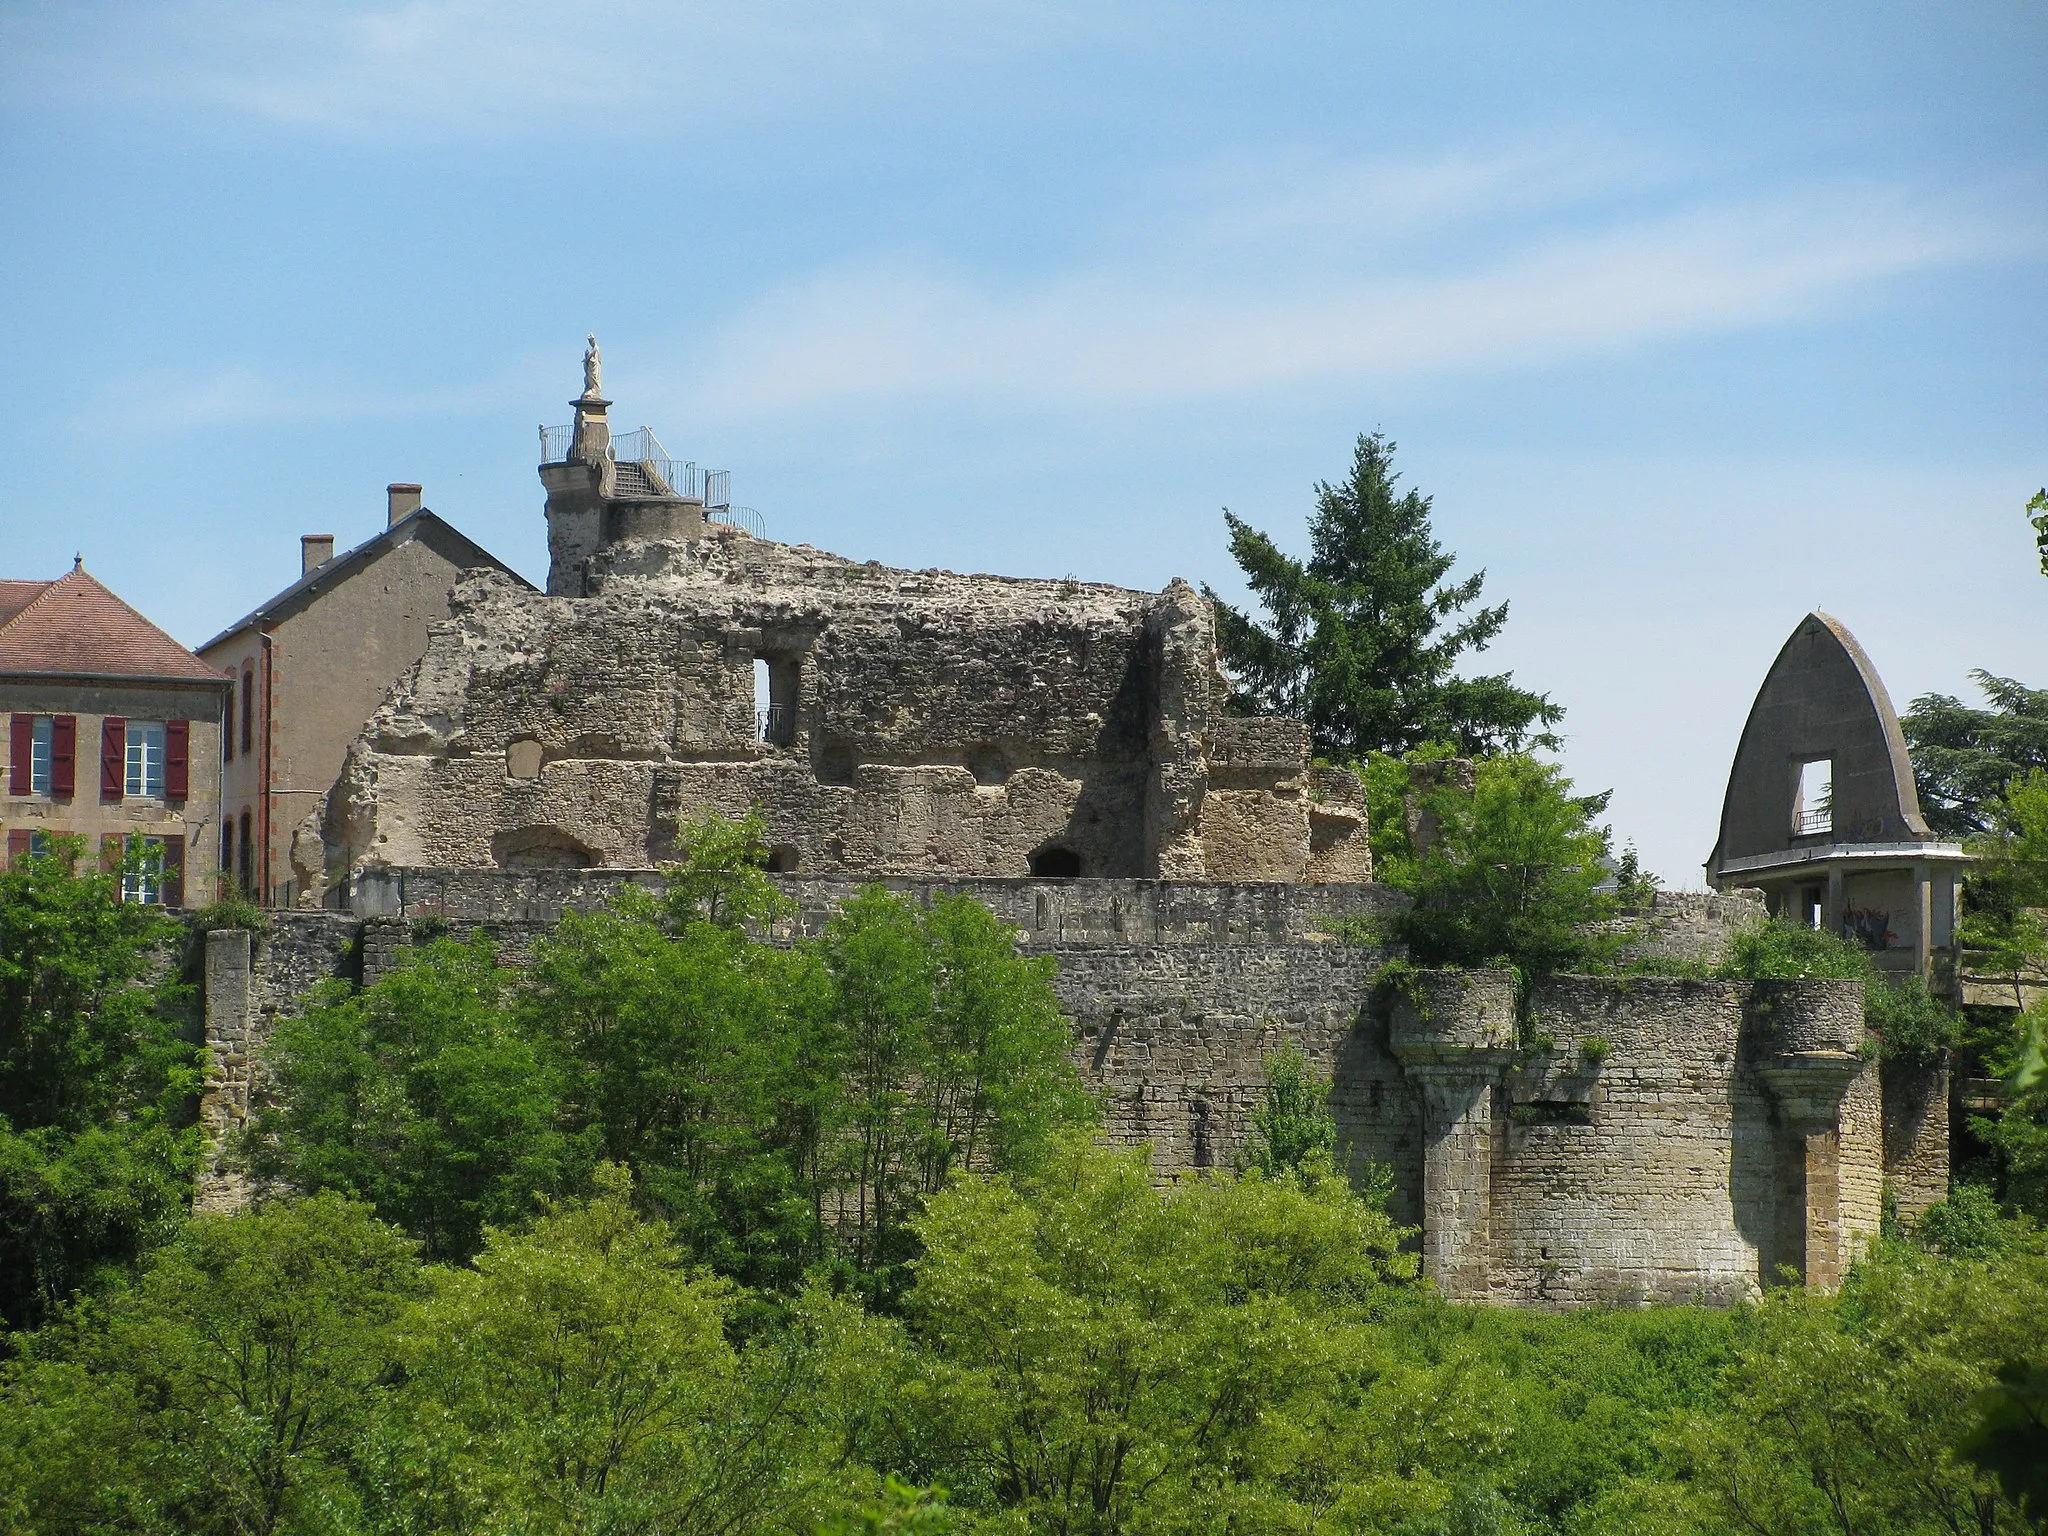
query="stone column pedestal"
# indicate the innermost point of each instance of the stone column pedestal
(1454, 1031)
(1808, 1086)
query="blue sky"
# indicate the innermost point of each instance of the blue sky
(1690, 317)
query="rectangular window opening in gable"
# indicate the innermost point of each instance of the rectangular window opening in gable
(1813, 810)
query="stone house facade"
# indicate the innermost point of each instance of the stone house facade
(112, 735)
(306, 669)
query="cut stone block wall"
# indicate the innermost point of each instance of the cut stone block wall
(1626, 1142)
(250, 981)
(919, 723)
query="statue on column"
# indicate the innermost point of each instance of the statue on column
(593, 362)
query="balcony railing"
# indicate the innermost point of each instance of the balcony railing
(772, 724)
(1807, 823)
(554, 444)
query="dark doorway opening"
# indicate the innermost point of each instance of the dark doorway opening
(1056, 863)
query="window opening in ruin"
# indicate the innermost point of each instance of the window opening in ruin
(1552, 1112)
(775, 699)
(1814, 809)
(781, 859)
(1056, 863)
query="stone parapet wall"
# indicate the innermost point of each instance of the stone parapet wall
(1044, 913)
(1636, 1160)
(1624, 1141)
(1687, 925)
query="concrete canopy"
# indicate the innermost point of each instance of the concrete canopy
(1822, 700)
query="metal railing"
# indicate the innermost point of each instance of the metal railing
(639, 447)
(745, 518)
(665, 478)
(660, 477)
(770, 724)
(1806, 823)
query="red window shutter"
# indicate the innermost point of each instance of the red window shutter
(64, 756)
(21, 743)
(113, 757)
(111, 853)
(177, 758)
(17, 844)
(174, 870)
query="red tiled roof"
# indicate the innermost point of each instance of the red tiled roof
(76, 627)
(17, 595)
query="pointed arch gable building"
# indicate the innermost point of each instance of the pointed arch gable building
(1821, 814)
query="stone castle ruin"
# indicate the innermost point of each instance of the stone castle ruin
(1061, 752)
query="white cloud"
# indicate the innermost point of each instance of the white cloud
(403, 69)
(1154, 327)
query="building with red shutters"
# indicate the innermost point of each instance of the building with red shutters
(113, 736)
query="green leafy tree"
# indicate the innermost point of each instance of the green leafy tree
(1292, 1134)
(98, 1141)
(1114, 1356)
(953, 1052)
(421, 1095)
(579, 1378)
(903, 1510)
(1362, 640)
(702, 1059)
(228, 1392)
(1965, 758)
(1512, 873)
(1846, 1415)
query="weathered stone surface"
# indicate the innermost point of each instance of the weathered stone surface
(250, 981)
(920, 723)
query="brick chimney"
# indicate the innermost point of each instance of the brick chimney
(405, 500)
(315, 550)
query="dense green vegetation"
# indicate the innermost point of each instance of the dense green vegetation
(97, 1140)
(675, 1230)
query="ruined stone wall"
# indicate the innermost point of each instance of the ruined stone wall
(920, 722)
(1916, 1134)
(1626, 1142)
(250, 981)
(1647, 1174)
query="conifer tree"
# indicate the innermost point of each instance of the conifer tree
(1354, 641)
